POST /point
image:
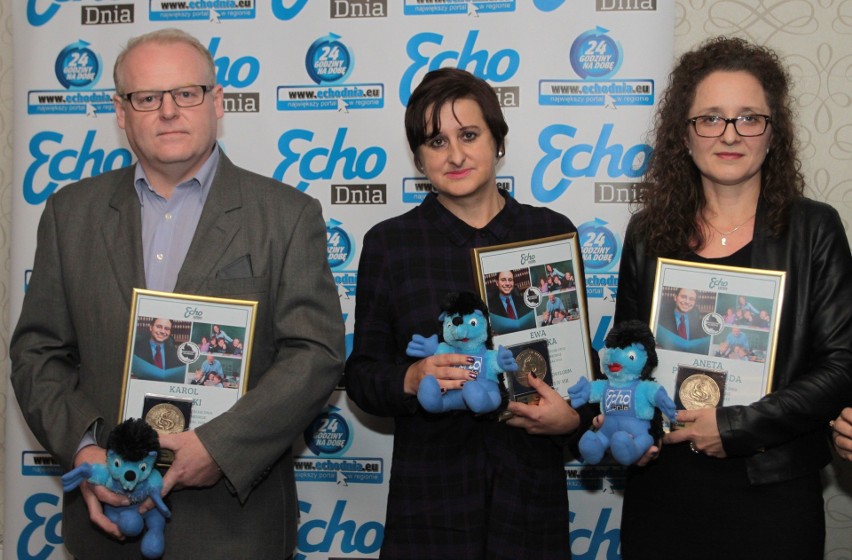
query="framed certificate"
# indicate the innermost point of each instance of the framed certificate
(187, 358)
(716, 329)
(535, 295)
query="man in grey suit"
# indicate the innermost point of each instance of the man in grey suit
(184, 219)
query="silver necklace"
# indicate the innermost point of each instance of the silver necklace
(725, 234)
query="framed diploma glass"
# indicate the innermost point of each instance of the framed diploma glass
(536, 301)
(716, 329)
(187, 359)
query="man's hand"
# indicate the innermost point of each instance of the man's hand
(95, 495)
(551, 416)
(192, 467)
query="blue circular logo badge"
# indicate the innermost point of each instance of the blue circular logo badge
(77, 66)
(595, 55)
(328, 60)
(329, 435)
(340, 247)
(599, 246)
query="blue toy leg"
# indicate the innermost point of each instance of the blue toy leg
(130, 522)
(593, 446)
(154, 542)
(432, 400)
(627, 449)
(481, 396)
(127, 518)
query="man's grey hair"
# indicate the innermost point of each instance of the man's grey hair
(163, 37)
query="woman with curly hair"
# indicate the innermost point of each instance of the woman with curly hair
(724, 187)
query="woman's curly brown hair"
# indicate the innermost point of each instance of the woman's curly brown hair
(672, 181)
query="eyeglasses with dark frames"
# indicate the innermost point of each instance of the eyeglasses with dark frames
(184, 97)
(714, 126)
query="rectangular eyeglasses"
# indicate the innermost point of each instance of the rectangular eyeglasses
(713, 126)
(186, 96)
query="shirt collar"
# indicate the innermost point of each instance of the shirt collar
(460, 233)
(203, 177)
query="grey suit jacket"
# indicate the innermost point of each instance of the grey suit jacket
(257, 239)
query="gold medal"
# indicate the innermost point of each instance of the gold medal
(699, 391)
(166, 418)
(530, 361)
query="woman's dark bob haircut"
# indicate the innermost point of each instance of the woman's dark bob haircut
(445, 85)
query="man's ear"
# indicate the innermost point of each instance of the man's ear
(219, 100)
(119, 110)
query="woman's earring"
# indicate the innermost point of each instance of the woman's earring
(500, 153)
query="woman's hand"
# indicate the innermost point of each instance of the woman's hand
(552, 415)
(842, 434)
(448, 369)
(701, 432)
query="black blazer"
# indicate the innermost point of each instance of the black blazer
(783, 435)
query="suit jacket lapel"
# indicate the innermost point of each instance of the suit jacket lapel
(122, 233)
(217, 227)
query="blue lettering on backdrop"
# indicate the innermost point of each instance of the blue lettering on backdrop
(366, 165)
(498, 67)
(57, 169)
(282, 12)
(350, 337)
(318, 535)
(600, 333)
(630, 163)
(240, 73)
(40, 527)
(596, 538)
(37, 19)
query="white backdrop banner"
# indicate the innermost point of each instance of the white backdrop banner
(314, 95)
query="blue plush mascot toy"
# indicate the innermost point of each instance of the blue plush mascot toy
(628, 397)
(132, 450)
(465, 331)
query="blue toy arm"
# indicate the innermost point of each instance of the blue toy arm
(155, 488)
(579, 393)
(96, 474)
(422, 347)
(75, 477)
(649, 395)
(498, 361)
(505, 360)
(665, 404)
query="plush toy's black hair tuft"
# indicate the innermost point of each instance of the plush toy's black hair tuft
(626, 333)
(133, 439)
(465, 303)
